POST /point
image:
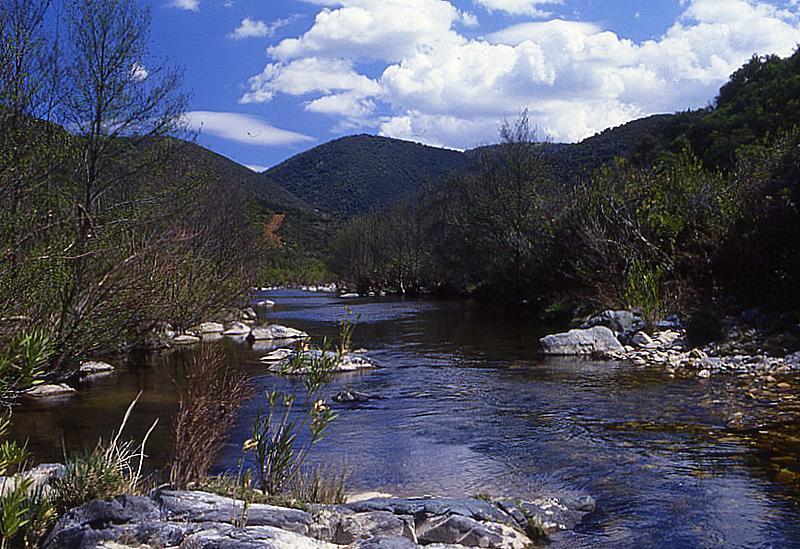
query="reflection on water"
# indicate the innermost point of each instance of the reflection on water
(467, 407)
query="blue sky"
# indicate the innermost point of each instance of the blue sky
(270, 78)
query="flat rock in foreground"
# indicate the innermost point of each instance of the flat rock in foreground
(199, 519)
(595, 340)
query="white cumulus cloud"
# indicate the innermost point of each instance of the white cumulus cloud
(518, 7)
(242, 128)
(255, 28)
(190, 5)
(434, 84)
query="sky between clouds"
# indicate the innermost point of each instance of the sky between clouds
(273, 77)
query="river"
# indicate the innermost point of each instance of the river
(467, 407)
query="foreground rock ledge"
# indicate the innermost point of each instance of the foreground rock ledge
(199, 519)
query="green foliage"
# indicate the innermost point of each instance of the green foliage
(758, 262)
(275, 435)
(25, 513)
(643, 291)
(347, 325)
(320, 485)
(24, 362)
(355, 174)
(88, 476)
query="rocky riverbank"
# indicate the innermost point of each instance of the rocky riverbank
(620, 335)
(199, 519)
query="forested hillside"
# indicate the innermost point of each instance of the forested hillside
(357, 173)
(666, 214)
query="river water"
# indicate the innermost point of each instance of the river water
(467, 407)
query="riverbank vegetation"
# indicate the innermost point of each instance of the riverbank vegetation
(705, 220)
(104, 230)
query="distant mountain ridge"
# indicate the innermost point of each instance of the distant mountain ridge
(354, 174)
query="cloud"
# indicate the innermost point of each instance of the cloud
(189, 5)
(254, 28)
(139, 72)
(308, 75)
(430, 83)
(518, 7)
(258, 168)
(242, 128)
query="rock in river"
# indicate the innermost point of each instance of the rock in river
(237, 329)
(351, 397)
(277, 355)
(297, 362)
(623, 323)
(50, 390)
(598, 339)
(185, 339)
(276, 331)
(210, 328)
(92, 367)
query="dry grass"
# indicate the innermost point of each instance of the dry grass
(210, 398)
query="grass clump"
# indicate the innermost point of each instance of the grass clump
(110, 469)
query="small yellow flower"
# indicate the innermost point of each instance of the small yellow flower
(248, 445)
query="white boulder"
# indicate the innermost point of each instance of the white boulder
(237, 329)
(92, 367)
(276, 331)
(185, 339)
(50, 390)
(598, 339)
(211, 328)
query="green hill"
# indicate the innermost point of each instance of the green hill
(302, 229)
(355, 174)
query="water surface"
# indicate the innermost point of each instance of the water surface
(467, 407)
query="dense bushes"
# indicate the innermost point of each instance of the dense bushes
(660, 238)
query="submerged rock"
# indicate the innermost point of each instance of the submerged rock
(596, 340)
(349, 296)
(50, 390)
(276, 331)
(351, 397)
(199, 519)
(266, 303)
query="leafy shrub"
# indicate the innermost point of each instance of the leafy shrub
(88, 476)
(275, 434)
(23, 363)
